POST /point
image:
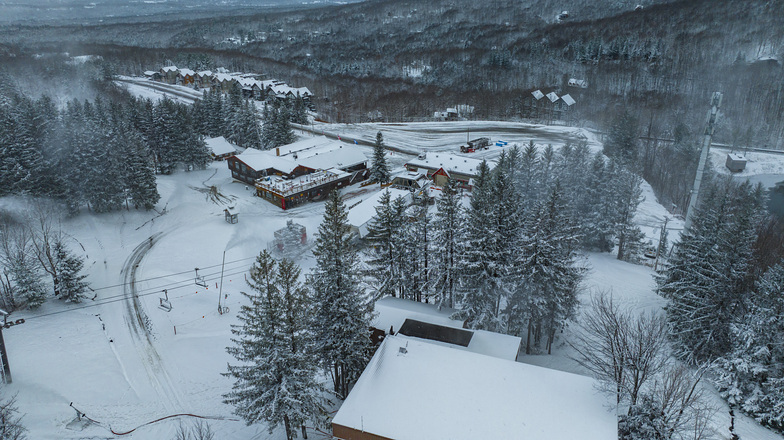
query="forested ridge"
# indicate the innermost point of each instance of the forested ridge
(662, 61)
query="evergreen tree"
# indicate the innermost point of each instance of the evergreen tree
(628, 196)
(69, 277)
(621, 143)
(479, 276)
(644, 421)
(276, 130)
(448, 233)
(343, 315)
(418, 239)
(244, 127)
(707, 281)
(27, 279)
(379, 170)
(139, 173)
(299, 111)
(545, 295)
(276, 382)
(387, 245)
(284, 134)
(598, 227)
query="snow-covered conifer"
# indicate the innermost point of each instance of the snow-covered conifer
(69, 279)
(379, 170)
(276, 381)
(342, 313)
(448, 233)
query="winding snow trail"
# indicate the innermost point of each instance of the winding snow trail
(139, 326)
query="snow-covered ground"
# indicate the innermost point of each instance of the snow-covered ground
(119, 360)
(115, 370)
(449, 136)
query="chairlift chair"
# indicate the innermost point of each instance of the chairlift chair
(199, 279)
(165, 304)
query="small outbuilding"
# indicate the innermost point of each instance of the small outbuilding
(220, 148)
(230, 215)
(735, 162)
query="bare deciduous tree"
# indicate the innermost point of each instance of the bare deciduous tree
(11, 427)
(45, 232)
(621, 350)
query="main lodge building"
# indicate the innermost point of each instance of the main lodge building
(300, 172)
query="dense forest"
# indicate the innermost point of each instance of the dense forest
(662, 60)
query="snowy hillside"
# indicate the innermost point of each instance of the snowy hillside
(117, 357)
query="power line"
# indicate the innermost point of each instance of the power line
(119, 298)
(173, 274)
(171, 286)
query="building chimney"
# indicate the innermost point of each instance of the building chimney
(277, 151)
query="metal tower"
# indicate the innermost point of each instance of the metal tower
(710, 126)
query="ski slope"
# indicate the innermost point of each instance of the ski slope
(117, 357)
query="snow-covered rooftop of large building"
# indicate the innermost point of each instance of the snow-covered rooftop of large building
(449, 162)
(393, 312)
(318, 154)
(415, 389)
(360, 215)
(568, 99)
(220, 146)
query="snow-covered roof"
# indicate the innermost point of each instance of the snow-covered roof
(552, 97)
(318, 154)
(736, 157)
(204, 73)
(187, 72)
(414, 389)
(360, 215)
(538, 94)
(450, 163)
(220, 146)
(393, 312)
(568, 100)
(169, 68)
(305, 144)
(343, 157)
(256, 159)
(221, 77)
(303, 91)
(149, 72)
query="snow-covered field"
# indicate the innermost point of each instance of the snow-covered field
(96, 354)
(120, 362)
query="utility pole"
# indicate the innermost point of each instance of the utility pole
(662, 240)
(3, 353)
(710, 126)
(220, 291)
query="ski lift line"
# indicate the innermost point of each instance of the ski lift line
(118, 299)
(169, 286)
(173, 274)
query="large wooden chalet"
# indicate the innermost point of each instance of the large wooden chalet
(303, 171)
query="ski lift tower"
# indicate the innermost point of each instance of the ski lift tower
(710, 126)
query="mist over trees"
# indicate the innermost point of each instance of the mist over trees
(656, 62)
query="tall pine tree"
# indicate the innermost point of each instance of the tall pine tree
(343, 314)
